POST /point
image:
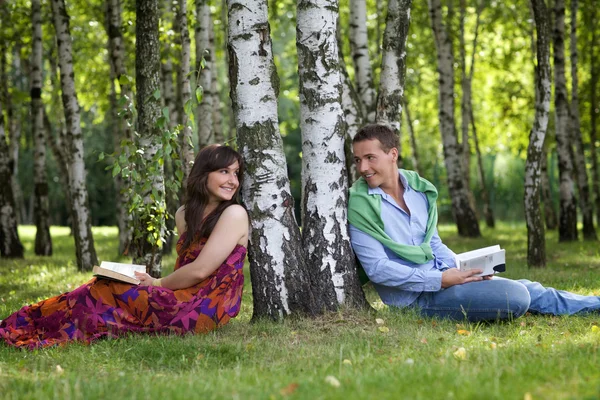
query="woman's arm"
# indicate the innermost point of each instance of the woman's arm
(231, 229)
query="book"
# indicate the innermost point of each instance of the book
(119, 271)
(490, 259)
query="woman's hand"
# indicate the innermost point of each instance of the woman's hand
(144, 278)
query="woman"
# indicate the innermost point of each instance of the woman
(203, 292)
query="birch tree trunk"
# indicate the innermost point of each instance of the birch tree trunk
(393, 66)
(587, 209)
(464, 215)
(280, 279)
(10, 244)
(567, 221)
(147, 72)
(485, 196)
(185, 94)
(594, 108)
(359, 45)
(536, 244)
(465, 104)
(217, 112)
(549, 212)
(82, 226)
(43, 241)
(413, 139)
(203, 50)
(121, 132)
(324, 178)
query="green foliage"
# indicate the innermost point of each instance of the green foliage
(547, 357)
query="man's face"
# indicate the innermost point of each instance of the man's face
(374, 164)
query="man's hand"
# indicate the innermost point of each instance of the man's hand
(454, 276)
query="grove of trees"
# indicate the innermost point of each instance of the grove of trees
(104, 104)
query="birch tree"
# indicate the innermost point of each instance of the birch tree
(549, 212)
(280, 280)
(587, 210)
(324, 178)
(185, 92)
(147, 72)
(359, 45)
(10, 244)
(594, 106)
(393, 65)
(536, 244)
(413, 139)
(463, 213)
(567, 216)
(82, 226)
(203, 68)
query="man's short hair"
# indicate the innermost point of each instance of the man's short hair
(386, 136)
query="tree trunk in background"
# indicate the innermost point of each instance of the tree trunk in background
(587, 209)
(203, 50)
(324, 177)
(122, 132)
(413, 139)
(549, 212)
(393, 66)
(185, 94)
(567, 222)
(217, 112)
(464, 215)
(280, 279)
(147, 73)
(43, 241)
(485, 196)
(82, 225)
(359, 46)
(594, 107)
(10, 244)
(536, 244)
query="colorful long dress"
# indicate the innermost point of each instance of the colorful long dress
(105, 308)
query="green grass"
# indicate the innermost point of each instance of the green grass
(533, 357)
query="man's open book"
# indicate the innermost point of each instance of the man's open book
(119, 271)
(489, 259)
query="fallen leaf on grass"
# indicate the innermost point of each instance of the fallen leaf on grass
(460, 354)
(289, 389)
(527, 396)
(595, 328)
(59, 369)
(424, 341)
(379, 321)
(493, 346)
(347, 362)
(463, 332)
(199, 356)
(409, 361)
(384, 329)
(332, 380)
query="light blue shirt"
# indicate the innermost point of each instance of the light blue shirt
(400, 282)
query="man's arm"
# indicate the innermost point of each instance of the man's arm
(383, 271)
(441, 251)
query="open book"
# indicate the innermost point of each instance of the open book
(119, 271)
(489, 259)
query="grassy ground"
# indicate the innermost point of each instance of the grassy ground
(340, 356)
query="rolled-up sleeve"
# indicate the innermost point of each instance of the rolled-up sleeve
(391, 273)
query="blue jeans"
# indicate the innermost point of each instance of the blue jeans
(500, 298)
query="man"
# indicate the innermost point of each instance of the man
(393, 218)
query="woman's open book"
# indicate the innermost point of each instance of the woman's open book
(119, 271)
(489, 259)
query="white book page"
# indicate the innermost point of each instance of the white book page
(125, 269)
(478, 253)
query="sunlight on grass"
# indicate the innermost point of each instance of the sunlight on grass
(377, 354)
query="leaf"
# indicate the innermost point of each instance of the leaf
(347, 362)
(59, 369)
(332, 380)
(383, 329)
(199, 93)
(379, 321)
(203, 62)
(289, 389)
(156, 94)
(595, 328)
(187, 107)
(101, 156)
(460, 354)
(125, 79)
(116, 170)
(463, 332)
(493, 345)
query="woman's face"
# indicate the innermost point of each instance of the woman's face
(223, 183)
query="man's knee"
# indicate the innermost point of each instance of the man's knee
(517, 297)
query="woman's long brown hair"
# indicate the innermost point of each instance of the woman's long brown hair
(209, 159)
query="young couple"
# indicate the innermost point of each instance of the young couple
(393, 220)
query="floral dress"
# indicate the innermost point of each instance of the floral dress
(106, 308)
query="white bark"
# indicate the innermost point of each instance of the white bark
(43, 241)
(359, 45)
(187, 150)
(203, 50)
(393, 65)
(279, 278)
(82, 227)
(217, 112)
(536, 244)
(324, 177)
